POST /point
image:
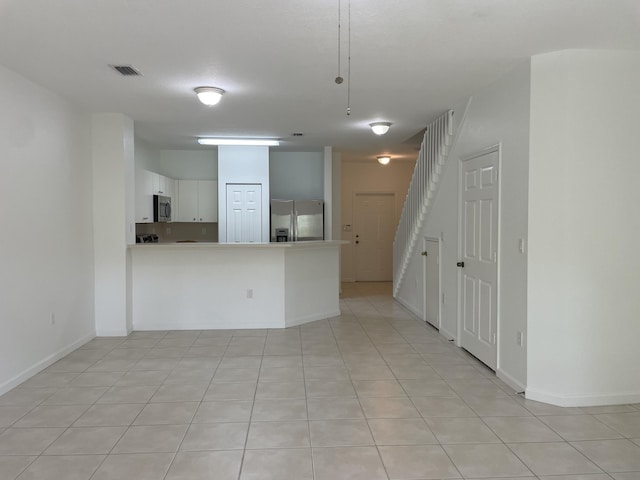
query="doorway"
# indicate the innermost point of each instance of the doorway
(431, 276)
(478, 264)
(374, 229)
(244, 213)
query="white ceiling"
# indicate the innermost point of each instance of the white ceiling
(277, 60)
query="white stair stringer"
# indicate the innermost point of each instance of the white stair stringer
(434, 151)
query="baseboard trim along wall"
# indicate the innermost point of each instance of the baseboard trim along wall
(582, 400)
(409, 307)
(44, 363)
(509, 380)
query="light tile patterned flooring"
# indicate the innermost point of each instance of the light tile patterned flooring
(374, 394)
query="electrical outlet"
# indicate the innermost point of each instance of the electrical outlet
(52, 318)
(519, 339)
(250, 293)
(204, 230)
(168, 230)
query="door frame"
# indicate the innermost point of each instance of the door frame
(352, 244)
(497, 147)
(424, 282)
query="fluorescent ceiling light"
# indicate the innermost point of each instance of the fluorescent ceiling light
(264, 142)
(209, 95)
(384, 159)
(380, 128)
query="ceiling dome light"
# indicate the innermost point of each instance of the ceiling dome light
(209, 95)
(380, 128)
(384, 159)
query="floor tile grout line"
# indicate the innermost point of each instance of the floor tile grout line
(253, 403)
(384, 467)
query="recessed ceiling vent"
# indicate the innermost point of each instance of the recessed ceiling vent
(126, 70)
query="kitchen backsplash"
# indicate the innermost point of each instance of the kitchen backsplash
(177, 231)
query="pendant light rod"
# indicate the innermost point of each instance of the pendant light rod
(349, 60)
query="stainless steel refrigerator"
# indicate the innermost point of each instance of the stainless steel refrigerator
(297, 221)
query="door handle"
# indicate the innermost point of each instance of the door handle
(357, 242)
(424, 254)
(460, 264)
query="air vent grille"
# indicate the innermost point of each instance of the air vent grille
(126, 70)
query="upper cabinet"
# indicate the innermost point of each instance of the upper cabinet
(192, 200)
(149, 184)
(144, 196)
(162, 185)
(197, 201)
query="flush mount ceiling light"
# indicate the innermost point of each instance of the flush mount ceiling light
(209, 95)
(261, 142)
(384, 159)
(380, 128)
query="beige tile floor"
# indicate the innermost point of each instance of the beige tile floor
(373, 394)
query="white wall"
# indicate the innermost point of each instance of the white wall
(46, 242)
(584, 261)
(497, 114)
(114, 220)
(296, 175)
(369, 176)
(147, 156)
(189, 164)
(242, 165)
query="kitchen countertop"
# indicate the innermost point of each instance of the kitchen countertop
(181, 245)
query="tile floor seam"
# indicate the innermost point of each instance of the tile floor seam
(366, 419)
(253, 403)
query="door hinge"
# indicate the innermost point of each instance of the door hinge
(495, 257)
(494, 338)
(443, 298)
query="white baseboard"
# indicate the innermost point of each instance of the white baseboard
(44, 363)
(312, 318)
(447, 334)
(409, 307)
(582, 400)
(509, 380)
(113, 333)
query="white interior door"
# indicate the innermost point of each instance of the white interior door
(431, 268)
(374, 221)
(244, 213)
(479, 235)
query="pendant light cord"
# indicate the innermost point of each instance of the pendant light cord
(349, 61)
(339, 26)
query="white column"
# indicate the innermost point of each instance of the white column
(113, 224)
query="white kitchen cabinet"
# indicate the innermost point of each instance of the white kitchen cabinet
(170, 189)
(197, 201)
(159, 182)
(208, 201)
(144, 196)
(187, 201)
(162, 185)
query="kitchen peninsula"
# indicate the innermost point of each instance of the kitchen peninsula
(233, 285)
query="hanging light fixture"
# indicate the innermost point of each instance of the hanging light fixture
(209, 95)
(380, 128)
(384, 159)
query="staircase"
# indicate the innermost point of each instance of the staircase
(434, 151)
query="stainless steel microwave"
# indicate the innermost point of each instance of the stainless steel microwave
(161, 208)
